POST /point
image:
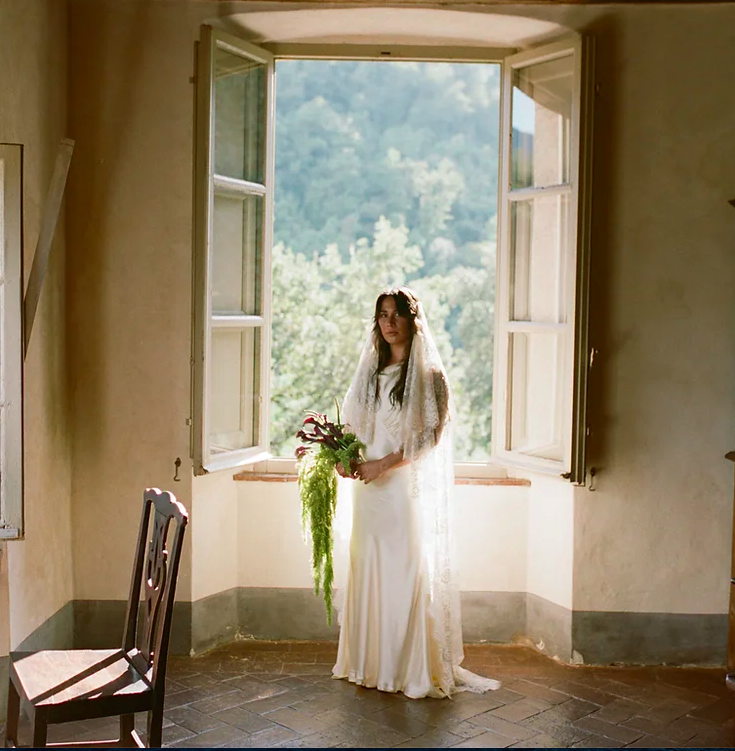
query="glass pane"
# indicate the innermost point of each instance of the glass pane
(541, 123)
(538, 239)
(535, 382)
(234, 390)
(236, 254)
(239, 119)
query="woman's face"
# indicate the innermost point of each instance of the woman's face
(395, 328)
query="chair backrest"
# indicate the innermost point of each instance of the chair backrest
(155, 569)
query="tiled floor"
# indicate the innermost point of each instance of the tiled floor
(281, 694)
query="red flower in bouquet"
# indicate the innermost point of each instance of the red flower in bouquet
(319, 431)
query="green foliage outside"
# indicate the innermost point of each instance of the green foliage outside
(386, 174)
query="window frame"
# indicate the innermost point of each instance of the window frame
(11, 342)
(498, 462)
(207, 182)
(490, 469)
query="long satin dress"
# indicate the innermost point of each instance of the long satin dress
(385, 640)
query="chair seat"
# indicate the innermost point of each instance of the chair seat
(56, 679)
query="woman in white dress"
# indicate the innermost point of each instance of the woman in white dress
(400, 619)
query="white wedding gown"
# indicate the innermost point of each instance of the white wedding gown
(385, 640)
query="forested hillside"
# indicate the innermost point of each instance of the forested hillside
(386, 173)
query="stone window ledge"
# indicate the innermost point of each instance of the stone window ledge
(247, 476)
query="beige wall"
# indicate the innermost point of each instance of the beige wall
(490, 523)
(216, 535)
(551, 540)
(655, 536)
(272, 552)
(130, 200)
(662, 398)
(36, 573)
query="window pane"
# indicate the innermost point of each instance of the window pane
(534, 424)
(236, 254)
(538, 241)
(234, 383)
(240, 115)
(541, 123)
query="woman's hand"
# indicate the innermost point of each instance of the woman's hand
(372, 470)
(342, 472)
(369, 471)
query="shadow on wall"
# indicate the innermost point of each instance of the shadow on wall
(98, 160)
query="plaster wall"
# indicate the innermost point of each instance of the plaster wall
(550, 557)
(491, 531)
(36, 572)
(655, 536)
(490, 524)
(661, 400)
(216, 537)
(272, 552)
(130, 225)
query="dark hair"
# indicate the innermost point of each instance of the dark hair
(407, 304)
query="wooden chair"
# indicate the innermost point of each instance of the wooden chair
(81, 684)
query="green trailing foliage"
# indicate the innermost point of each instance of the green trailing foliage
(317, 480)
(318, 489)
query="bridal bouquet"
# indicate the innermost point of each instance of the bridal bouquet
(327, 443)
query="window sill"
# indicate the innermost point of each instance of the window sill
(510, 481)
(248, 476)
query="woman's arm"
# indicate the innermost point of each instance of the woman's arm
(372, 470)
(441, 394)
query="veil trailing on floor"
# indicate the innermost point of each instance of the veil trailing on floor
(424, 435)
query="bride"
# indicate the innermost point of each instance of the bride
(400, 621)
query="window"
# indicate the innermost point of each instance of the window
(539, 330)
(541, 363)
(386, 174)
(11, 345)
(233, 238)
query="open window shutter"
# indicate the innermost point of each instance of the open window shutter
(233, 238)
(543, 264)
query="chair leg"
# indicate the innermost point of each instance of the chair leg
(155, 725)
(40, 727)
(11, 725)
(127, 725)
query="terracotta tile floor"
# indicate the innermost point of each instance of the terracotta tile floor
(281, 694)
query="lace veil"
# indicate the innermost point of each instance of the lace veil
(425, 437)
